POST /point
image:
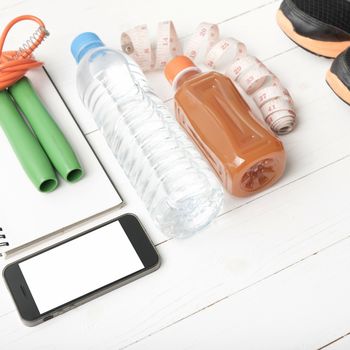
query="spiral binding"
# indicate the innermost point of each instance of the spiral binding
(32, 41)
(2, 237)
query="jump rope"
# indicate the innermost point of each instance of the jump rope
(38, 142)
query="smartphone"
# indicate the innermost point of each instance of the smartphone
(70, 273)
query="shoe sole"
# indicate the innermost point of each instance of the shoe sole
(338, 87)
(326, 49)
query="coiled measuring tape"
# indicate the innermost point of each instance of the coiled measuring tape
(205, 46)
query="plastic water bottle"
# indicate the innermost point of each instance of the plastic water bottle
(170, 175)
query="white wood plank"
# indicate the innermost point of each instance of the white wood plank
(303, 307)
(259, 31)
(343, 343)
(289, 224)
(10, 4)
(240, 249)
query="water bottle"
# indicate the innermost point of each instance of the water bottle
(169, 174)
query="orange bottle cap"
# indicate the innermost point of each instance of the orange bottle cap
(176, 66)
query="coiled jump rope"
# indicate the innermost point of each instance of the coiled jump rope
(41, 147)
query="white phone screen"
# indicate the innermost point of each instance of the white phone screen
(80, 266)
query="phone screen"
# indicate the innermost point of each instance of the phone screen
(80, 266)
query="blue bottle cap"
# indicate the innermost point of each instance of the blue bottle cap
(84, 43)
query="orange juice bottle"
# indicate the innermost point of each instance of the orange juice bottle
(246, 156)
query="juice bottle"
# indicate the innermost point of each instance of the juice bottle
(246, 156)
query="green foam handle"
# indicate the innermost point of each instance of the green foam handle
(32, 157)
(47, 131)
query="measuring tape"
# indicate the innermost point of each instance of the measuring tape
(205, 46)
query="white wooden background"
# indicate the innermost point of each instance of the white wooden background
(272, 271)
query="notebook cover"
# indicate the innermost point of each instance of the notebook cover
(27, 215)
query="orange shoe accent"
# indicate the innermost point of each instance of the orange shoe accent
(328, 49)
(339, 88)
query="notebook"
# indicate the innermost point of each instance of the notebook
(27, 215)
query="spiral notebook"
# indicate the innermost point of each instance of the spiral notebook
(27, 215)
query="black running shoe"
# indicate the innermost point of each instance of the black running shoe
(338, 77)
(319, 26)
